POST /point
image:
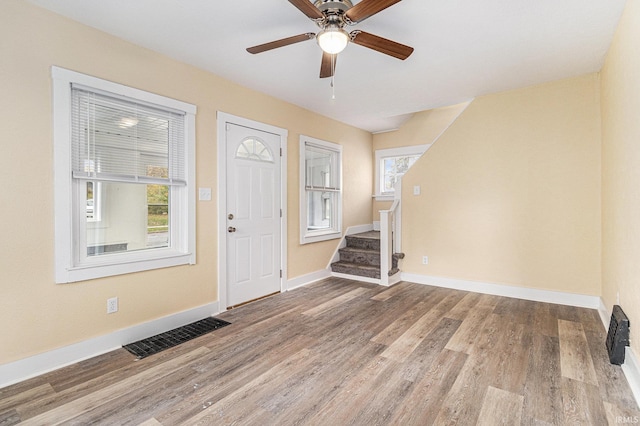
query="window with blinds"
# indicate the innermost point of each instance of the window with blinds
(119, 139)
(321, 190)
(125, 178)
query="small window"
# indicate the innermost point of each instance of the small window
(391, 165)
(124, 171)
(320, 190)
(254, 149)
(93, 201)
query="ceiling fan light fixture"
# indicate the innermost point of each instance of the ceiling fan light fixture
(333, 39)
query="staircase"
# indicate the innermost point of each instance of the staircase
(361, 256)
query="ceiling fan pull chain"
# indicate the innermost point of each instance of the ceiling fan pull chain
(333, 77)
(333, 89)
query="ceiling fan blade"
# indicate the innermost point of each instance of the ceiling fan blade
(367, 8)
(328, 65)
(280, 43)
(307, 8)
(382, 45)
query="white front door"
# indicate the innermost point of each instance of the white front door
(253, 213)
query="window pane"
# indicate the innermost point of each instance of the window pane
(133, 217)
(394, 168)
(91, 201)
(320, 207)
(321, 168)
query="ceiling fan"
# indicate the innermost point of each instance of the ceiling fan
(332, 16)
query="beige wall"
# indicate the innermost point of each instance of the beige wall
(621, 170)
(422, 128)
(511, 192)
(38, 315)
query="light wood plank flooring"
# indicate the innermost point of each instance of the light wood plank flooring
(340, 352)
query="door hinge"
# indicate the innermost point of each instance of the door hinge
(280, 273)
(280, 212)
(280, 152)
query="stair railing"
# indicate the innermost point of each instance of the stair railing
(390, 232)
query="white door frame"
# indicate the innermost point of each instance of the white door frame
(222, 120)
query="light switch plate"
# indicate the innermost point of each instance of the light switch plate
(204, 194)
(416, 190)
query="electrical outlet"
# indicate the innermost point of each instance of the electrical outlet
(425, 260)
(112, 305)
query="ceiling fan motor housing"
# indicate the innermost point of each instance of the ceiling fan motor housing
(333, 5)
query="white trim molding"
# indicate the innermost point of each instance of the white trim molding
(605, 314)
(307, 279)
(631, 370)
(36, 365)
(534, 294)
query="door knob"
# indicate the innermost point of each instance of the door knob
(231, 229)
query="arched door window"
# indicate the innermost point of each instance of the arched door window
(254, 149)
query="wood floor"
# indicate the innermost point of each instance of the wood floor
(339, 352)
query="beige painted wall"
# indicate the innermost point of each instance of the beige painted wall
(621, 170)
(511, 192)
(422, 128)
(38, 315)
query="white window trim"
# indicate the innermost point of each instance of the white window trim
(183, 251)
(381, 154)
(307, 236)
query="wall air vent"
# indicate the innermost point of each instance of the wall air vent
(618, 336)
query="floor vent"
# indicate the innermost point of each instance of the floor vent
(160, 342)
(618, 336)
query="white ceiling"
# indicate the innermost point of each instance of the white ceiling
(463, 48)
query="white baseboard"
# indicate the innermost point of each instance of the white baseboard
(356, 278)
(631, 370)
(537, 295)
(357, 229)
(605, 314)
(307, 279)
(26, 368)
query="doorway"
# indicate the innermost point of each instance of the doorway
(252, 214)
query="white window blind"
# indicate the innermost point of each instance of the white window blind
(115, 138)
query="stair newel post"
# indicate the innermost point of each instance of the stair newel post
(386, 251)
(396, 209)
(389, 235)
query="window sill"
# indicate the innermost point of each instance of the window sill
(383, 197)
(100, 270)
(317, 237)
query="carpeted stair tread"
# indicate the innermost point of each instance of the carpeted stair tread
(366, 242)
(356, 269)
(360, 256)
(356, 249)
